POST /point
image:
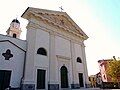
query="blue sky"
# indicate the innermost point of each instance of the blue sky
(99, 19)
(105, 38)
(109, 12)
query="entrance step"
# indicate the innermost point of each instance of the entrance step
(66, 89)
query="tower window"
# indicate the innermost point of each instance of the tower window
(14, 35)
(79, 60)
(42, 51)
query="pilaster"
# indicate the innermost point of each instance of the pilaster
(28, 82)
(53, 84)
(87, 83)
(74, 84)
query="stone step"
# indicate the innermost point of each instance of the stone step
(65, 89)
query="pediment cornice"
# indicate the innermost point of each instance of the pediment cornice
(59, 19)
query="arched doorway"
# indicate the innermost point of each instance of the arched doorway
(64, 77)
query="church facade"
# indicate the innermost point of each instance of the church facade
(51, 58)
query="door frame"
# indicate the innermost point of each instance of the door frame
(46, 78)
(60, 77)
(10, 72)
(81, 74)
(64, 78)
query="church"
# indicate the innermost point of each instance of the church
(51, 58)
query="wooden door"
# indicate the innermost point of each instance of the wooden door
(41, 79)
(64, 77)
(81, 80)
(4, 79)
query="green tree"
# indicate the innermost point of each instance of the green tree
(113, 70)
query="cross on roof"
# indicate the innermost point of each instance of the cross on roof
(61, 8)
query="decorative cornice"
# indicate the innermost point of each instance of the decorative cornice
(37, 25)
(51, 17)
(34, 25)
(60, 26)
(60, 20)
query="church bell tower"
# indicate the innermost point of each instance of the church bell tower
(14, 30)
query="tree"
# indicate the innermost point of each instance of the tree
(113, 70)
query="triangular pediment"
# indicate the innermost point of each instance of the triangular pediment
(58, 18)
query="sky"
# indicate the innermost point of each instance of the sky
(99, 19)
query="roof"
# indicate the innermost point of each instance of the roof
(13, 44)
(60, 19)
(15, 20)
(106, 60)
(21, 44)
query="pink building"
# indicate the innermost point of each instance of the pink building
(106, 81)
(102, 67)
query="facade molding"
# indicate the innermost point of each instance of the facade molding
(30, 14)
(54, 31)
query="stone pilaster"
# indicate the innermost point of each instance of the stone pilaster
(28, 82)
(87, 83)
(52, 64)
(73, 63)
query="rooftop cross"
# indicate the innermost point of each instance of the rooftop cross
(61, 8)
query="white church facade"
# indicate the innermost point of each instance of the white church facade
(51, 58)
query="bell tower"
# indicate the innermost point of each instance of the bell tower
(14, 30)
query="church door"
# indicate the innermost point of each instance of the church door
(64, 77)
(4, 79)
(81, 79)
(41, 79)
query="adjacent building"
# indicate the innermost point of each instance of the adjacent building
(98, 80)
(95, 80)
(106, 80)
(92, 80)
(103, 67)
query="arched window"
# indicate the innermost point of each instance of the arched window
(79, 60)
(14, 35)
(42, 51)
